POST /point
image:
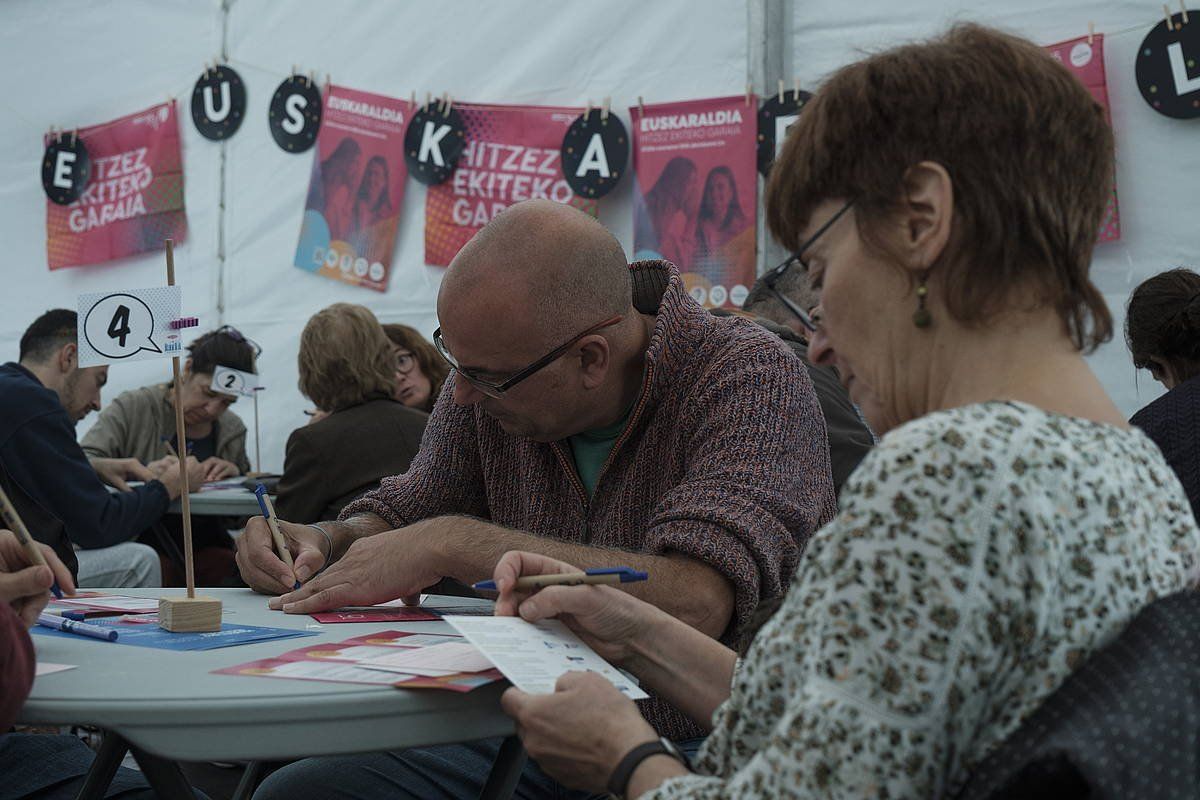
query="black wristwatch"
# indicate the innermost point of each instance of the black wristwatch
(619, 781)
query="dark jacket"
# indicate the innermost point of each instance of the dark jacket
(1173, 423)
(1124, 726)
(849, 436)
(50, 482)
(331, 462)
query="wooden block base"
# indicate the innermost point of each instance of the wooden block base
(188, 614)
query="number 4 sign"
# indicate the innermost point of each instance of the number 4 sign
(228, 380)
(129, 325)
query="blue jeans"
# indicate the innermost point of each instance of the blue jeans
(443, 772)
(49, 767)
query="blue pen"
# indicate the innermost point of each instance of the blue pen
(268, 512)
(608, 575)
(81, 628)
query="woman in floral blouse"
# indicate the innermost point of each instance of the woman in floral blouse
(946, 196)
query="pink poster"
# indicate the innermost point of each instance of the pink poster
(357, 185)
(1086, 61)
(513, 153)
(134, 196)
(697, 193)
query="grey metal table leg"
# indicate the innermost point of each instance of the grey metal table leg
(249, 782)
(506, 771)
(164, 776)
(104, 768)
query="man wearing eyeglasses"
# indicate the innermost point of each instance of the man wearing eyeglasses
(587, 426)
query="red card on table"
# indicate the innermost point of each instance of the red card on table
(388, 614)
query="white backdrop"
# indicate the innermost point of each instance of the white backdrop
(80, 62)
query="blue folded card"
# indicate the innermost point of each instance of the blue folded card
(148, 634)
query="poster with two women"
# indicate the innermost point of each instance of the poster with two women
(357, 184)
(697, 193)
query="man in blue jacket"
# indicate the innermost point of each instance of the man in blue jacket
(56, 490)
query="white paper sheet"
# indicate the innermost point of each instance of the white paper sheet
(534, 655)
(432, 662)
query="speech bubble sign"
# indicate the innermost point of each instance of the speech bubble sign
(228, 380)
(128, 325)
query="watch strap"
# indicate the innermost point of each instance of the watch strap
(619, 781)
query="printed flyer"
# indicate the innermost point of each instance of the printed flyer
(357, 185)
(513, 153)
(134, 197)
(697, 193)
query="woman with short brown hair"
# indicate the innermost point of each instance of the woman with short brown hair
(347, 370)
(946, 195)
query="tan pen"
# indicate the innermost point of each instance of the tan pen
(606, 575)
(285, 555)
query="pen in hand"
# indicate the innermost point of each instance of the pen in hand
(13, 520)
(609, 575)
(268, 512)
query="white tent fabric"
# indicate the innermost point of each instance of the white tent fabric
(79, 62)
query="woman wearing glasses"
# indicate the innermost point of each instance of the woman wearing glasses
(420, 371)
(348, 369)
(946, 196)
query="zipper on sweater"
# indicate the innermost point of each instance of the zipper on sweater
(633, 420)
(573, 476)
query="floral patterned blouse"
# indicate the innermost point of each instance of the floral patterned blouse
(981, 553)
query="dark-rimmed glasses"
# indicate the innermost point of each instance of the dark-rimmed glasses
(771, 276)
(496, 390)
(405, 361)
(238, 336)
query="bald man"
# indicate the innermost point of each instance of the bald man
(582, 426)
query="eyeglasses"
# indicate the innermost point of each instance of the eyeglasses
(238, 336)
(771, 276)
(496, 390)
(405, 362)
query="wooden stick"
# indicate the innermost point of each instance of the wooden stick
(257, 454)
(184, 498)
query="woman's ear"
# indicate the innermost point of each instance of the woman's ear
(927, 211)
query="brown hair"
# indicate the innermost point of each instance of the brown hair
(1028, 150)
(345, 358)
(429, 360)
(1163, 321)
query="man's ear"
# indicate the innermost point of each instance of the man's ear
(927, 211)
(595, 357)
(68, 358)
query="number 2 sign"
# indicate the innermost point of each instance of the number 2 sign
(228, 380)
(129, 325)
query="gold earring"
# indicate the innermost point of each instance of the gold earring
(921, 317)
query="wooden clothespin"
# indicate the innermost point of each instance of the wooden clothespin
(445, 99)
(312, 77)
(1091, 32)
(641, 107)
(604, 110)
(795, 90)
(781, 90)
(587, 110)
(412, 99)
(749, 93)
(428, 98)
(1167, 14)
(328, 80)
(74, 136)
(449, 105)
(1183, 8)
(293, 70)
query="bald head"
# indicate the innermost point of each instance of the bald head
(542, 262)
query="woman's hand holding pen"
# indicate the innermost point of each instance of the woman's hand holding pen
(608, 619)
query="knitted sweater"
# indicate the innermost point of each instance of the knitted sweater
(1173, 423)
(724, 459)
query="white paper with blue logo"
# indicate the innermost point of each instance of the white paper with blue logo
(129, 325)
(534, 655)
